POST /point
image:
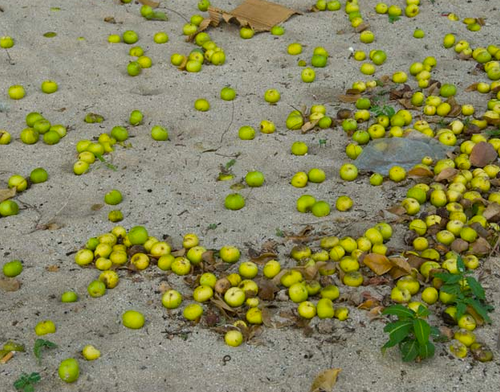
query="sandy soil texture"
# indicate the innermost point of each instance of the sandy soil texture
(172, 189)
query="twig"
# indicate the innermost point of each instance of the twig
(230, 123)
(178, 13)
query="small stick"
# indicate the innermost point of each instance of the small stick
(7, 358)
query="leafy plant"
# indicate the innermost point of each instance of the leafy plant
(383, 110)
(322, 142)
(410, 333)
(41, 344)
(467, 291)
(393, 18)
(26, 382)
(230, 164)
(106, 163)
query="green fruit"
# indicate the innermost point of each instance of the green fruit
(305, 203)
(69, 296)
(134, 68)
(119, 133)
(246, 133)
(159, 133)
(12, 268)
(138, 235)
(39, 175)
(96, 289)
(193, 312)
(133, 319)
(29, 136)
(130, 37)
(228, 94)
(234, 201)
(18, 182)
(254, 179)
(233, 338)
(45, 327)
(113, 197)
(69, 370)
(299, 148)
(320, 209)
(171, 299)
(325, 308)
(115, 216)
(136, 117)
(8, 208)
(202, 105)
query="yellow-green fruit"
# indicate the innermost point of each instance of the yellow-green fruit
(90, 353)
(45, 327)
(307, 310)
(233, 338)
(69, 370)
(325, 308)
(133, 319)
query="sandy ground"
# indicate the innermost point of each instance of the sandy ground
(171, 188)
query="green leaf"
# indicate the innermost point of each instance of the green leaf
(409, 349)
(29, 388)
(39, 345)
(427, 350)
(20, 382)
(449, 279)
(422, 311)
(481, 309)
(476, 287)
(460, 264)
(389, 111)
(397, 332)
(422, 331)
(230, 163)
(157, 15)
(50, 34)
(461, 308)
(107, 164)
(35, 377)
(451, 289)
(400, 311)
(435, 332)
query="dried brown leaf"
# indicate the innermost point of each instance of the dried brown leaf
(222, 305)
(480, 247)
(420, 172)
(110, 19)
(446, 174)
(52, 268)
(482, 154)
(9, 284)
(96, 207)
(362, 27)
(309, 125)
(378, 263)
(397, 210)
(151, 3)
(349, 98)
(325, 381)
(164, 287)
(208, 257)
(264, 258)
(459, 245)
(6, 194)
(406, 103)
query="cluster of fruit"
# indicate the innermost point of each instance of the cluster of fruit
(481, 55)
(137, 250)
(37, 125)
(317, 116)
(209, 53)
(37, 176)
(89, 151)
(323, 5)
(411, 9)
